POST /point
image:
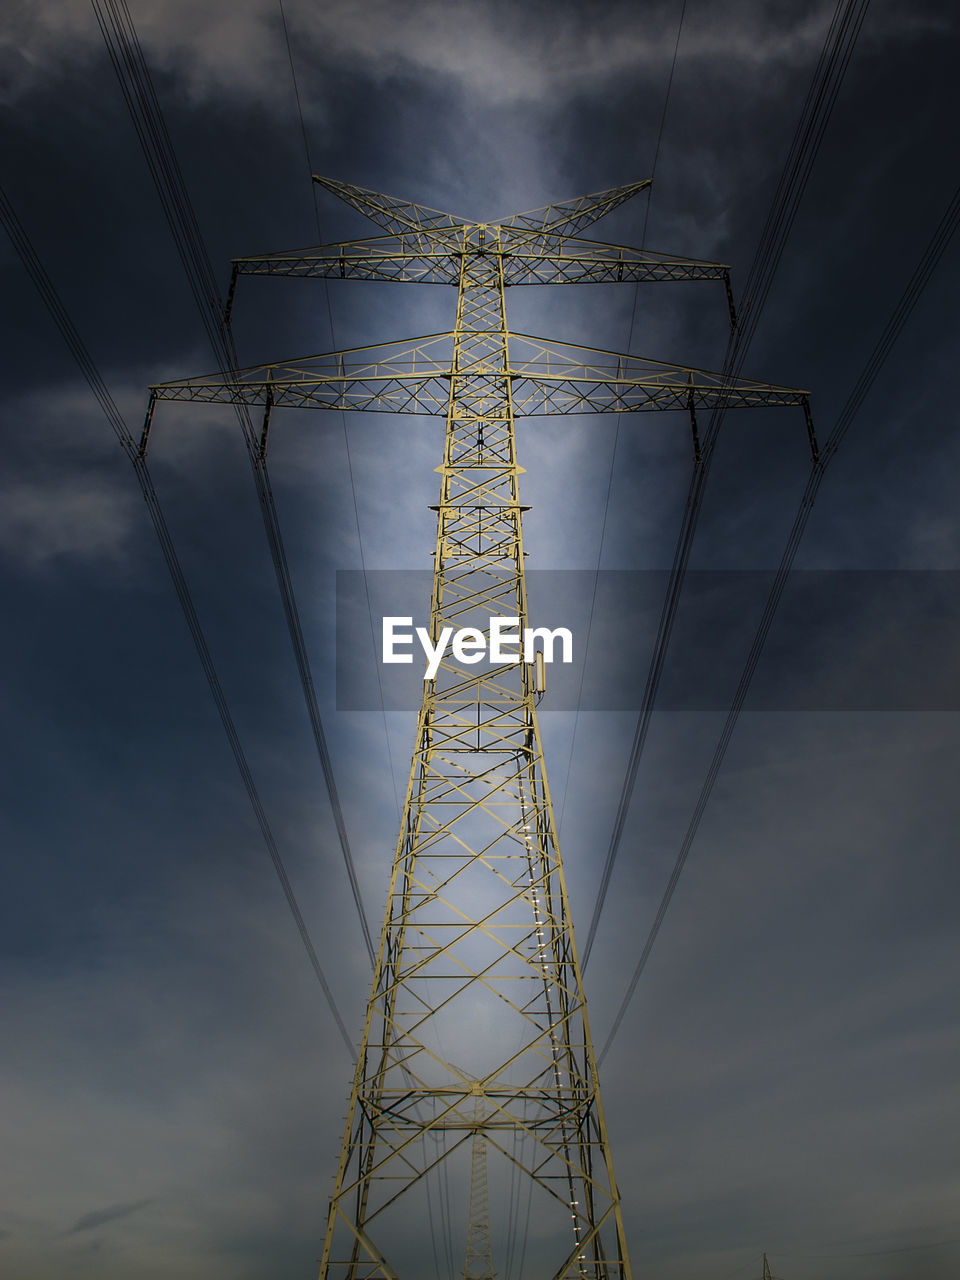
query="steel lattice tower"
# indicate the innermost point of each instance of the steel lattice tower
(478, 1263)
(477, 963)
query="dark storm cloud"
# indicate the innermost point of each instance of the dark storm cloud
(499, 52)
(40, 522)
(502, 53)
(787, 1073)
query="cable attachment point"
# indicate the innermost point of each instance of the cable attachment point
(228, 309)
(147, 423)
(811, 434)
(267, 406)
(731, 305)
(697, 451)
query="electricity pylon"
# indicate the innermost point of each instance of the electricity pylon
(477, 958)
(478, 1264)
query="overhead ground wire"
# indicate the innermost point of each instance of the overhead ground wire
(303, 124)
(663, 121)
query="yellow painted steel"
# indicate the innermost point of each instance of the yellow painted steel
(477, 963)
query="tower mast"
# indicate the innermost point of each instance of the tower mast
(477, 948)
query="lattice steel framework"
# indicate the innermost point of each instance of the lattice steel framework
(477, 963)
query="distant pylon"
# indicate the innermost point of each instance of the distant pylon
(477, 960)
(478, 1264)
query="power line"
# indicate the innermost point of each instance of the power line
(616, 437)
(663, 121)
(303, 125)
(815, 113)
(878, 1253)
(804, 148)
(898, 318)
(91, 374)
(126, 55)
(343, 420)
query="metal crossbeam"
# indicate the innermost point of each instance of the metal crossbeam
(537, 247)
(544, 378)
(567, 217)
(394, 215)
(398, 259)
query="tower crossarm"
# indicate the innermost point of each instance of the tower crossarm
(393, 377)
(571, 260)
(545, 377)
(393, 215)
(406, 258)
(562, 378)
(566, 217)
(410, 258)
(427, 246)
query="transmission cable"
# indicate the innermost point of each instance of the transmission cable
(891, 332)
(303, 124)
(126, 55)
(616, 437)
(663, 121)
(815, 114)
(814, 117)
(878, 1253)
(92, 376)
(314, 196)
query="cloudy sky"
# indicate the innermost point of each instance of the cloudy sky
(172, 1082)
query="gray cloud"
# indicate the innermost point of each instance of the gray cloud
(59, 520)
(98, 1217)
(496, 53)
